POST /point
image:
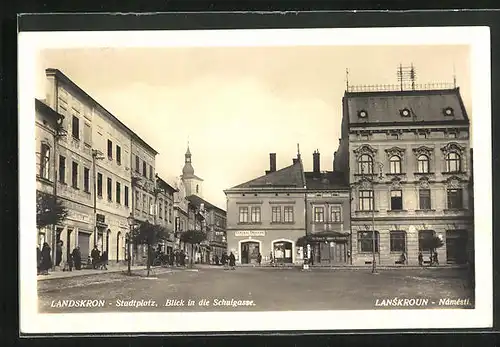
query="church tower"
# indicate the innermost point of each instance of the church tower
(192, 183)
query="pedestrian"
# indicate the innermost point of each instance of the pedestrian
(59, 245)
(182, 258)
(38, 260)
(403, 258)
(216, 259)
(77, 258)
(271, 259)
(259, 259)
(420, 259)
(104, 261)
(95, 255)
(436, 260)
(70, 262)
(232, 261)
(46, 259)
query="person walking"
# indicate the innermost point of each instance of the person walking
(435, 259)
(95, 255)
(104, 261)
(420, 259)
(38, 260)
(403, 258)
(223, 260)
(77, 258)
(59, 252)
(259, 259)
(232, 261)
(46, 259)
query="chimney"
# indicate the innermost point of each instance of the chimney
(316, 167)
(272, 163)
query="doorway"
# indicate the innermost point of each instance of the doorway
(249, 252)
(456, 246)
(282, 252)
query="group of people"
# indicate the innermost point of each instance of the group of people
(433, 259)
(178, 257)
(99, 261)
(229, 261)
(44, 258)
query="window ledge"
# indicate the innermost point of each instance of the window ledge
(75, 187)
(43, 179)
(397, 211)
(366, 211)
(367, 252)
(426, 210)
(424, 173)
(87, 192)
(453, 172)
(454, 210)
(395, 174)
(281, 223)
(365, 174)
(249, 223)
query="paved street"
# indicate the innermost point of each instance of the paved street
(257, 289)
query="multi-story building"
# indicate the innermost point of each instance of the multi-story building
(165, 212)
(93, 170)
(266, 215)
(180, 213)
(406, 155)
(328, 215)
(46, 133)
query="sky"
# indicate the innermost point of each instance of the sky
(235, 105)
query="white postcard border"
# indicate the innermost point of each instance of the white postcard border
(478, 38)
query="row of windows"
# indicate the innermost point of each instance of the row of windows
(397, 241)
(118, 152)
(144, 168)
(452, 162)
(335, 214)
(454, 199)
(279, 214)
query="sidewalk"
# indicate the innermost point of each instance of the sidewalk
(90, 272)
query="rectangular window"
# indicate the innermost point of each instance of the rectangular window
(366, 241)
(335, 214)
(396, 200)
(276, 214)
(319, 214)
(398, 241)
(75, 128)
(137, 200)
(137, 164)
(44, 161)
(118, 193)
(366, 200)
(99, 185)
(160, 209)
(144, 203)
(126, 196)
(144, 169)
(455, 198)
(110, 149)
(288, 214)
(151, 172)
(243, 215)
(86, 180)
(118, 155)
(425, 239)
(151, 207)
(87, 134)
(62, 169)
(74, 175)
(255, 214)
(424, 196)
(170, 212)
(110, 189)
(177, 224)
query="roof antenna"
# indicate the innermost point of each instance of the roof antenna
(454, 77)
(347, 79)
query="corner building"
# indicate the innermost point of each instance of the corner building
(267, 215)
(407, 157)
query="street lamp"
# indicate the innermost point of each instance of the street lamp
(96, 155)
(131, 222)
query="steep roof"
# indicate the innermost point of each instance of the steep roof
(330, 180)
(288, 177)
(197, 201)
(386, 107)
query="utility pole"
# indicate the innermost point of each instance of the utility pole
(96, 155)
(58, 132)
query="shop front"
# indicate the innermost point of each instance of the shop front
(327, 248)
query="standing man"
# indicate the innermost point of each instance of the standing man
(259, 259)
(59, 252)
(95, 255)
(77, 258)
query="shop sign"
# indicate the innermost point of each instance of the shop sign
(80, 217)
(249, 233)
(329, 239)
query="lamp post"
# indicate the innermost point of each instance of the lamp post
(131, 222)
(59, 131)
(96, 155)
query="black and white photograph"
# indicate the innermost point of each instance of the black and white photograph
(240, 180)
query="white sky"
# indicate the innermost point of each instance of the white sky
(238, 104)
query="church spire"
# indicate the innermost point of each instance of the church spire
(188, 168)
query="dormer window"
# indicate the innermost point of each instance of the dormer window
(404, 112)
(362, 114)
(448, 111)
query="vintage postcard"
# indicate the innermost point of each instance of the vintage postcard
(255, 180)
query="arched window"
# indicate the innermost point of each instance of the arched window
(423, 164)
(395, 164)
(44, 161)
(453, 162)
(365, 164)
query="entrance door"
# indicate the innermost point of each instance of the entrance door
(249, 252)
(456, 246)
(339, 252)
(83, 242)
(282, 252)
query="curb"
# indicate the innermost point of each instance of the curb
(104, 272)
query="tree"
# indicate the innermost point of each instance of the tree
(148, 234)
(49, 211)
(432, 243)
(193, 237)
